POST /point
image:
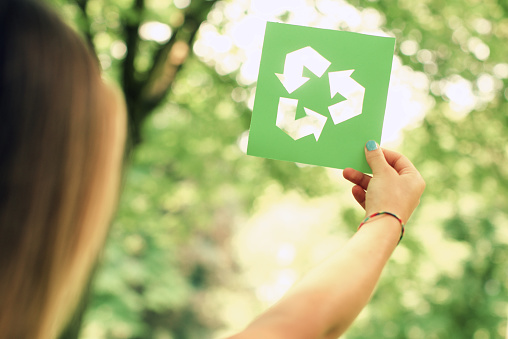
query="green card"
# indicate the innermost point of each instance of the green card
(321, 95)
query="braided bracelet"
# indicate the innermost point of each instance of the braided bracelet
(387, 213)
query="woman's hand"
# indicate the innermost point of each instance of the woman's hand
(395, 186)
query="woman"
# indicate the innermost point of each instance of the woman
(62, 133)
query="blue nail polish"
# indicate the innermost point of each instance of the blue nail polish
(371, 145)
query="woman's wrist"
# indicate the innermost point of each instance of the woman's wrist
(383, 228)
(396, 217)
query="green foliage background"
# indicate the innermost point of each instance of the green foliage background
(188, 186)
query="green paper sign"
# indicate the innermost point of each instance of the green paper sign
(321, 95)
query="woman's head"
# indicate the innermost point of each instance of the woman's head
(61, 143)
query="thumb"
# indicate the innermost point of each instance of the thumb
(375, 157)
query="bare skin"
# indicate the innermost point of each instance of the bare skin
(395, 188)
(325, 302)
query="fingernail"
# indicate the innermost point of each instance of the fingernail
(371, 145)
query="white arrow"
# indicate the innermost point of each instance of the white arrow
(312, 123)
(293, 77)
(341, 82)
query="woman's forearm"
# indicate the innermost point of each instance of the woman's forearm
(327, 300)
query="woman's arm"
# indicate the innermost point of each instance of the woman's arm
(327, 300)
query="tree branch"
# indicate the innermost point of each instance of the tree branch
(130, 85)
(144, 92)
(82, 5)
(171, 56)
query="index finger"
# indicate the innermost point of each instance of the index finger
(399, 162)
(356, 177)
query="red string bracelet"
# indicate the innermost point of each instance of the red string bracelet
(387, 213)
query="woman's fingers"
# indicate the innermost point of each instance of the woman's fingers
(357, 177)
(359, 194)
(361, 182)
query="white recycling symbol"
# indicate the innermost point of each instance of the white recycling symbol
(340, 82)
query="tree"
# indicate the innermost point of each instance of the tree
(146, 69)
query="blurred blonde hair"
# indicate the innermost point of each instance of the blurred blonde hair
(61, 144)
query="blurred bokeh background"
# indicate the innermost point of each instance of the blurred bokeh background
(207, 237)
